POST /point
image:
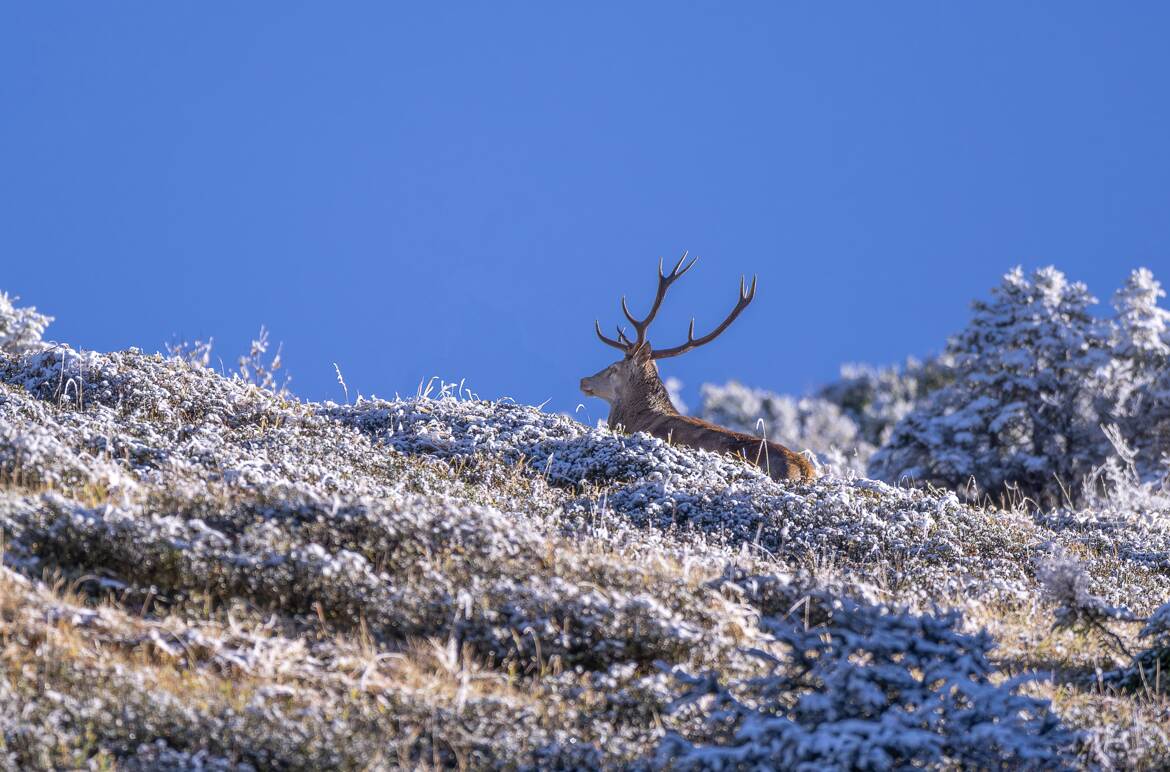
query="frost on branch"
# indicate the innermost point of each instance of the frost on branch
(20, 328)
(860, 686)
(253, 368)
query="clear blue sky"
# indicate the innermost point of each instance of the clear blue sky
(459, 189)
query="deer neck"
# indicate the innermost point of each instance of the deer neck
(644, 399)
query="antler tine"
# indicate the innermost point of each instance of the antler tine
(664, 282)
(608, 341)
(675, 272)
(751, 293)
(746, 295)
(626, 310)
(641, 325)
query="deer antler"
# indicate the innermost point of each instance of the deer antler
(641, 325)
(745, 297)
(664, 282)
(622, 342)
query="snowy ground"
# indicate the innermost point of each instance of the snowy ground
(199, 573)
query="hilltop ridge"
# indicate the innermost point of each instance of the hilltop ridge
(200, 572)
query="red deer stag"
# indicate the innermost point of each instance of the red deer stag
(639, 402)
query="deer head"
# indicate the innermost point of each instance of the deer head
(631, 384)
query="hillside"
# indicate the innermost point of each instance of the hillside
(200, 573)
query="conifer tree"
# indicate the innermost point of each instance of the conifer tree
(1138, 382)
(1142, 325)
(1022, 411)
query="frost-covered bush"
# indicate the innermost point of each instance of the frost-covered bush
(196, 354)
(1036, 380)
(1066, 584)
(812, 423)
(876, 398)
(254, 367)
(858, 686)
(843, 423)
(197, 571)
(1150, 668)
(1024, 409)
(1016, 403)
(20, 328)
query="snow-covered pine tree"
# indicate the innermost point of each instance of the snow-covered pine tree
(1023, 410)
(1142, 325)
(20, 328)
(1139, 377)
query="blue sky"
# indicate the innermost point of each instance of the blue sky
(459, 190)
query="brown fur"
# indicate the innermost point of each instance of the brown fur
(639, 403)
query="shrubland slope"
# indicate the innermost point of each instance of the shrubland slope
(199, 573)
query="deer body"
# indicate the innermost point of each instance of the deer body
(639, 401)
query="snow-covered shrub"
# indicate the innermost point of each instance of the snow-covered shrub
(861, 686)
(810, 423)
(199, 572)
(254, 369)
(1066, 584)
(1150, 668)
(196, 354)
(843, 423)
(876, 398)
(1024, 409)
(1119, 485)
(252, 366)
(20, 328)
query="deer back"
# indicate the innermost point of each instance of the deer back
(778, 461)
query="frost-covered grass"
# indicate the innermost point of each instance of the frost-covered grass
(201, 573)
